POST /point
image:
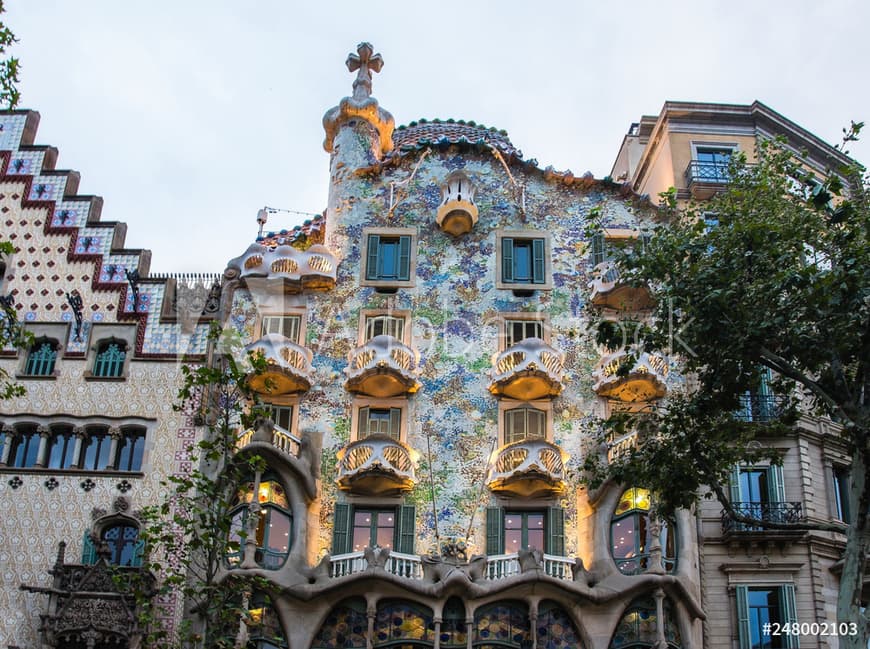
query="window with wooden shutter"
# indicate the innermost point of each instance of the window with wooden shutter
(341, 529)
(494, 531)
(407, 532)
(555, 529)
(388, 257)
(523, 260)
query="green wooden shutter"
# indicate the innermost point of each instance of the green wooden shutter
(555, 531)
(597, 248)
(789, 613)
(776, 484)
(89, 551)
(341, 538)
(743, 626)
(507, 259)
(538, 263)
(138, 554)
(494, 531)
(363, 427)
(404, 271)
(406, 532)
(374, 248)
(734, 484)
(395, 423)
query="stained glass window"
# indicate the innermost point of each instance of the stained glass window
(631, 535)
(639, 626)
(397, 621)
(556, 630)
(344, 628)
(453, 626)
(501, 625)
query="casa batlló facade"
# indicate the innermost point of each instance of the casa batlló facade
(432, 388)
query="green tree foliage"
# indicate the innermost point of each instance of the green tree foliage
(9, 67)
(188, 537)
(12, 333)
(781, 282)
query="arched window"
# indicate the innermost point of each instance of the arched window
(61, 448)
(41, 358)
(404, 623)
(122, 541)
(344, 628)
(109, 361)
(24, 447)
(274, 533)
(631, 536)
(454, 631)
(264, 628)
(96, 451)
(556, 629)
(638, 627)
(131, 448)
(505, 624)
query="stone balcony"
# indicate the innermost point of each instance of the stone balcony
(274, 435)
(609, 291)
(631, 376)
(377, 465)
(299, 270)
(532, 468)
(288, 366)
(528, 370)
(382, 367)
(705, 178)
(765, 512)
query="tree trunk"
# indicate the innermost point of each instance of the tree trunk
(855, 554)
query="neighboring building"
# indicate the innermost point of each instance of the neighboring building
(432, 388)
(752, 573)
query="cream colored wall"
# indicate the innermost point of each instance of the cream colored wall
(35, 518)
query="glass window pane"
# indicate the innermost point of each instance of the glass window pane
(279, 531)
(388, 259)
(522, 261)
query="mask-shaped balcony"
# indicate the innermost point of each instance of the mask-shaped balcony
(528, 370)
(631, 376)
(609, 291)
(299, 270)
(288, 366)
(376, 465)
(457, 213)
(532, 468)
(382, 367)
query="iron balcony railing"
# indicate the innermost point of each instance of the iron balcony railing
(771, 512)
(700, 171)
(760, 408)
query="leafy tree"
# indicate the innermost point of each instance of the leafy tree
(9, 67)
(11, 333)
(189, 537)
(780, 283)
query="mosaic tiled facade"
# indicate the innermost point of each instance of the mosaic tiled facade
(433, 386)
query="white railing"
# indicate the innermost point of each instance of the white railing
(342, 565)
(409, 566)
(502, 566)
(280, 438)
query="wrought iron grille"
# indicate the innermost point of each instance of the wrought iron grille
(41, 359)
(772, 512)
(760, 408)
(707, 172)
(109, 361)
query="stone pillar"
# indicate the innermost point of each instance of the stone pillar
(437, 644)
(661, 643)
(44, 434)
(655, 565)
(80, 434)
(115, 437)
(7, 444)
(533, 622)
(249, 552)
(371, 611)
(469, 632)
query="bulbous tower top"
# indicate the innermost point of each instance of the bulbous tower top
(361, 106)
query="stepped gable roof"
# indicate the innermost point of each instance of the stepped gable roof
(310, 232)
(424, 133)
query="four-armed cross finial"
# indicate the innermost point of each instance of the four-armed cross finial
(365, 63)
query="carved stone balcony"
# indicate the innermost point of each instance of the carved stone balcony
(457, 213)
(299, 270)
(377, 465)
(531, 468)
(382, 367)
(288, 366)
(278, 437)
(528, 370)
(631, 376)
(609, 291)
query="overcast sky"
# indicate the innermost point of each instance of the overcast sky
(188, 116)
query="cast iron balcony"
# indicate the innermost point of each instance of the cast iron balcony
(705, 178)
(382, 367)
(760, 408)
(274, 435)
(528, 370)
(774, 512)
(530, 468)
(288, 366)
(631, 376)
(299, 270)
(609, 291)
(377, 465)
